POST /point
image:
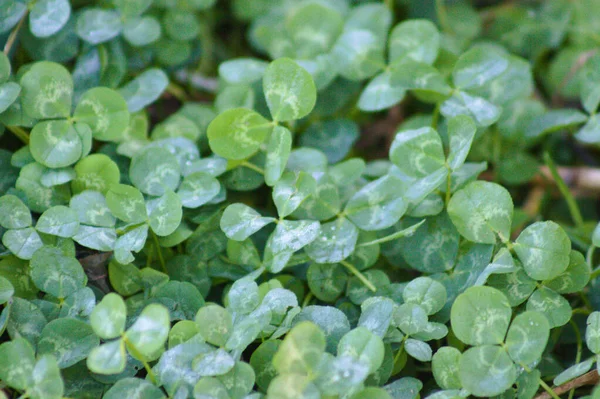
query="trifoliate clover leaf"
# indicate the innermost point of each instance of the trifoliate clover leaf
(67, 339)
(149, 332)
(486, 370)
(154, 171)
(108, 317)
(418, 153)
(105, 112)
(47, 91)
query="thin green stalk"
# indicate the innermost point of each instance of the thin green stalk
(436, 116)
(255, 168)
(442, 16)
(20, 133)
(358, 274)
(159, 252)
(548, 389)
(448, 187)
(307, 299)
(131, 348)
(564, 190)
(589, 255)
(579, 350)
(595, 274)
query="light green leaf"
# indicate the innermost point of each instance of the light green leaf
(293, 235)
(145, 88)
(133, 388)
(108, 358)
(213, 363)
(592, 332)
(574, 371)
(289, 90)
(242, 70)
(47, 17)
(291, 190)
(418, 349)
(215, 324)
(301, 350)
(292, 386)
(553, 120)
(334, 137)
(47, 90)
(527, 337)
(108, 317)
(377, 205)
(23, 243)
(126, 203)
(6, 290)
(482, 210)
(154, 171)
(417, 39)
(574, 278)
(243, 296)
(426, 292)
(95, 25)
(239, 221)
(98, 238)
(149, 332)
(14, 214)
(483, 112)
(554, 306)
(278, 152)
(461, 131)
(326, 281)
(68, 340)
(165, 213)
(17, 367)
(313, 28)
(418, 153)
(477, 67)
(486, 371)
(91, 209)
(238, 133)
(364, 346)
(336, 241)
(55, 273)
(544, 249)
(444, 365)
(47, 380)
(197, 189)
(140, 32)
(96, 172)
(358, 54)
(56, 177)
(410, 318)
(9, 92)
(105, 112)
(481, 316)
(381, 93)
(58, 221)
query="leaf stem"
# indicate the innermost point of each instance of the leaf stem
(571, 203)
(435, 117)
(20, 133)
(548, 389)
(307, 299)
(358, 274)
(579, 349)
(595, 274)
(136, 354)
(159, 252)
(255, 168)
(448, 187)
(399, 234)
(13, 35)
(177, 91)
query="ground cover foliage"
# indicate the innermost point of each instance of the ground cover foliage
(299, 199)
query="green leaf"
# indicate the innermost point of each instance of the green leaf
(126, 203)
(98, 238)
(336, 241)
(574, 278)
(289, 90)
(215, 324)
(482, 210)
(149, 332)
(483, 112)
(278, 152)
(140, 32)
(68, 340)
(574, 371)
(108, 317)
(410, 318)
(239, 221)
(91, 209)
(238, 133)
(326, 281)
(335, 138)
(9, 92)
(47, 380)
(146, 87)
(364, 346)
(527, 337)
(108, 358)
(331, 320)
(261, 362)
(478, 67)
(47, 90)
(213, 363)
(6, 290)
(165, 213)
(292, 386)
(95, 25)
(14, 214)
(358, 54)
(486, 370)
(47, 17)
(592, 332)
(444, 365)
(377, 205)
(105, 112)
(554, 306)
(418, 349)
(197, 189)
(95, 172)
(243, 296)
(55, 273)
(293, 235)
(461, 131)
(56, 177)
(134, 388)
(418, 153)
(291, 190)
(58, 221)
(426, 292)
(480, 316)
(381, 93)
(544, 249)
(154, 171)
(301, 350)
(313, 28)
(17, 367)
(22, 242)
(242, 70)
(417, 39)
(239, 381)
(552, 121)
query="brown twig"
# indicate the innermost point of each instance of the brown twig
(590, 378)
(13, 35)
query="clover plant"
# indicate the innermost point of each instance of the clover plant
(312, 199)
